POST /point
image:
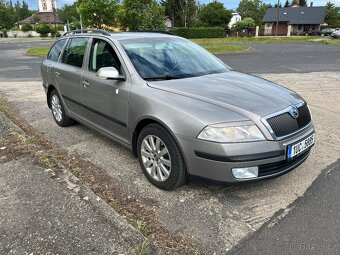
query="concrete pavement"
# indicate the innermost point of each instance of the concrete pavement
(214, 218)
(44, 211)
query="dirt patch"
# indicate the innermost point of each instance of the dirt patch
(107, 188)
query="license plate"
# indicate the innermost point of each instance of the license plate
(298, 148)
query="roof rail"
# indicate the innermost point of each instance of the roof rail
(85, 31)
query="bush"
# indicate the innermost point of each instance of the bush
(199, 32)
(26, 28)
(43, 30)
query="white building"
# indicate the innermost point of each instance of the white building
(47, 5)
(236, 17)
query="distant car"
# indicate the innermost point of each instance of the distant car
(336, 34)
(180, 109)
(327, 31)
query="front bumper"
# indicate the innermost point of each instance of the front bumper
(215, 161)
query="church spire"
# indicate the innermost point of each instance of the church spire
(47, 5)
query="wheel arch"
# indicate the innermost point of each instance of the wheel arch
(147, 121)
(48, 94)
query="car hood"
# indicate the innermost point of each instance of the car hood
(239, 92)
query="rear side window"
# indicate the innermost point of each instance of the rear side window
(75, 51)
(55, 51)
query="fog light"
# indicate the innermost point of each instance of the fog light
(246, 172)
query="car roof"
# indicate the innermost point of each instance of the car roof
(135, 35)
(118, 35)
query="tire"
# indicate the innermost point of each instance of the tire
(58, 111)
(155, 162)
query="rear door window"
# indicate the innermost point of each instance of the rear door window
(75, 51)
(55, 51)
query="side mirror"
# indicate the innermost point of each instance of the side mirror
(109, 73)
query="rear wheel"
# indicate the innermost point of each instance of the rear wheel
(58, 110)
(160, 158)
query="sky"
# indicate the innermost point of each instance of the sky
(229, 4)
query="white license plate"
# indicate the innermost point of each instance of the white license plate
(297, 148)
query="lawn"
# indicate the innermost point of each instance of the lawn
(37, 51)
(42, 51)
(266, 39)
(219, 49)
(226, 45)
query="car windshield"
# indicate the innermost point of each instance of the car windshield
(174, 58)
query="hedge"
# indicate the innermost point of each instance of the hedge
(201, 32)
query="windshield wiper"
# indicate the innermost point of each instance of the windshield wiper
(165, 77)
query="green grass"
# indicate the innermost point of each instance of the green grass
(141, 226)
(37, 52)
(225, 48)
(142, 249)
(245, 40)
(329, 42)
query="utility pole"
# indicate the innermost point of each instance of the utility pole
(55, 24)
(81, 23)
(277, 17)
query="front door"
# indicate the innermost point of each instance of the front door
(105, 102)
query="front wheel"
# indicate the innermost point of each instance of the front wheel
(160, 158)
(58, 110)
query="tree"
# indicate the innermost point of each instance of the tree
(332, 17)
(43, 30)
(153, 18)
(247, 24)
(68, 13)
(139, 15)
(26, 28)
(214, 15)
(182, 12)
(287, 4)
(303, 3)
(254, 9)
(98, 13)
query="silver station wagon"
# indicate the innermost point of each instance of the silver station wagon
(182, 111)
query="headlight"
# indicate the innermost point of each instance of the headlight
(224, 133)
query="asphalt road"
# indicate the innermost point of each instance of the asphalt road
(286, 58)
(15, 66)
(264, 58)
(312, 225)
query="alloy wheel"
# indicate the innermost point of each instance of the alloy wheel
(156, 158)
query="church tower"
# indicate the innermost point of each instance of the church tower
(47, 5)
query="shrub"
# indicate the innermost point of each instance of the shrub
(43, 30)
(199, 32)
(26, 28)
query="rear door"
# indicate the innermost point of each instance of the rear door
(105, 102)
(50, 63)
(69, 71)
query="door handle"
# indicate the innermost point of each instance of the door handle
(85, 84)
(57, 74)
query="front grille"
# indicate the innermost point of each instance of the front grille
(282, 166)
(284, 124)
